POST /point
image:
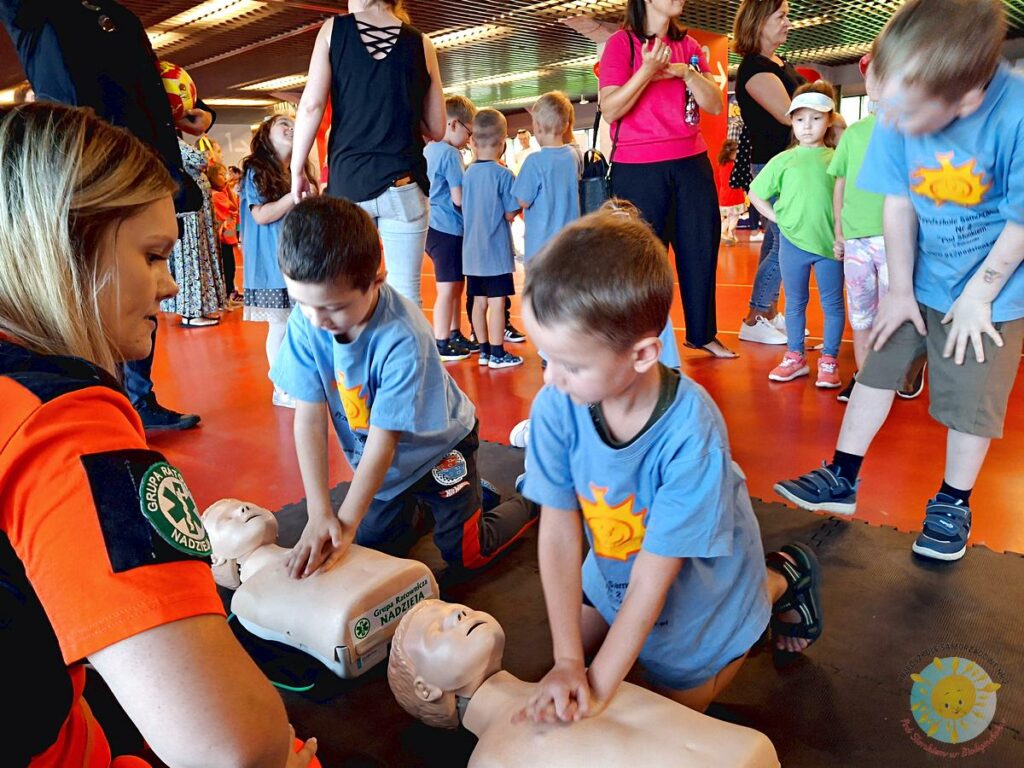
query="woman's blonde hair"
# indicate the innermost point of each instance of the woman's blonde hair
(749, 23)
(66, 179)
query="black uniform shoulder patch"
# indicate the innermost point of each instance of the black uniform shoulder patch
(145, 510)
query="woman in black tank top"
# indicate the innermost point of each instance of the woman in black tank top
(381, 77)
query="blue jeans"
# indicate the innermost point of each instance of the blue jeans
(402, 224)
(138, 376)
(796, 276)
(768, 279)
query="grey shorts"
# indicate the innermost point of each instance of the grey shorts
(969, 398)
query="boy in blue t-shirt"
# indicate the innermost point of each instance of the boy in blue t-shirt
(487, 259)
(361, 355)
(636, 455)
(444, 237)
(547, 186)
(948, 154)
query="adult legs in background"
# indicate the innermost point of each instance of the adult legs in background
(404, 243)
(764, 295)
(138, 383)
(696, 241)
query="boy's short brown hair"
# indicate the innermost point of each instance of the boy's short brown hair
(460, 108)
(552, 113)
(327, 240)
(947, 47)
(606, 275)
(489, 127)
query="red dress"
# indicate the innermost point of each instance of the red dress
(727, 196)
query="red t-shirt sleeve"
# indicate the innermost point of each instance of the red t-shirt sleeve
(54, 513)
(616, 68)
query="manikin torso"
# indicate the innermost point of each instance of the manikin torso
(639, 728)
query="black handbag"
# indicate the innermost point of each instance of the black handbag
(596, 180)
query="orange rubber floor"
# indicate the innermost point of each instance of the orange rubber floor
(244, 449)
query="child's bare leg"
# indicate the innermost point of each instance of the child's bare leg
(965, 455)
(479, 319)
(700, 698)
(865, 414)
(459, 288)
(495, 320)
(443, 310)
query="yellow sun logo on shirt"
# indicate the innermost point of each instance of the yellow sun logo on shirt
(357, 409)
(951, 183)
(618, 532)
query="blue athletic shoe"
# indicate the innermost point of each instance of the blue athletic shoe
(947, 527)
(820, 490)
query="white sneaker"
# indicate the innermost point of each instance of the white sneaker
(779, 322)
(762, 332)
(520, 434)
(757, 237)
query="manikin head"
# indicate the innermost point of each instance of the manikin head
(236, 530)
(440, 651)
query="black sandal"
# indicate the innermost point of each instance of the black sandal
(802, 595)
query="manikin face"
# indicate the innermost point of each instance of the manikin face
(130, 301)
(337, 308)
(237, 528)
(810, 126)
(453, 648)
(585, 368)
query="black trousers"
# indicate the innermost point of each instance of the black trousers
(678, 198)
(227, 262)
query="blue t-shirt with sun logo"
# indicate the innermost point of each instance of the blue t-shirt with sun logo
(966, 182)
(390, 377)
(674, 492)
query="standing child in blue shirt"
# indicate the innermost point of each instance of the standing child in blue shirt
(361, 355)
(547, 186)
(948, 154)
(636, 455)
(444, 237)
(799, 179)
(488, 206)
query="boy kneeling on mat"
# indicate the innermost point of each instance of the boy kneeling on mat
(358, 353)
(637, 456)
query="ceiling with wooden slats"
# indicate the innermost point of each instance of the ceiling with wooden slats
(515, 48)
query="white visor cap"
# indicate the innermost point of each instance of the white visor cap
(812, 100)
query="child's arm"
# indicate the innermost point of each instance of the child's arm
(971, 314)
(764, 207)
(838, 192)
(268, 213)
(645, 597)
(456, 196)
(564, 688)
(899, 225)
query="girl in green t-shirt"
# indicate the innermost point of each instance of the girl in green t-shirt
(799, 179)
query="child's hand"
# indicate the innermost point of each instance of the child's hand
(301, 188)
(839, 248)
(324, 541)
(893, 311)
(563, 695)
(968, 319)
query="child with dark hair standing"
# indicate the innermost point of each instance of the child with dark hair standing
(358, 353)
(488, 206)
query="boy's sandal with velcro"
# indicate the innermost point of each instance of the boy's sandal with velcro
(802, 595)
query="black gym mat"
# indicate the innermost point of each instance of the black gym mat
(847, 703)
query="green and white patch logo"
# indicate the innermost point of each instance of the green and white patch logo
(171, 510)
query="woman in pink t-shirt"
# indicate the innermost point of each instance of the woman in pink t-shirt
(660, 161)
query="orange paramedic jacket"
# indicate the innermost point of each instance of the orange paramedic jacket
(99, 540)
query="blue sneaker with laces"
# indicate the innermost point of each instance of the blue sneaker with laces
(820, 490)
(947, 527)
